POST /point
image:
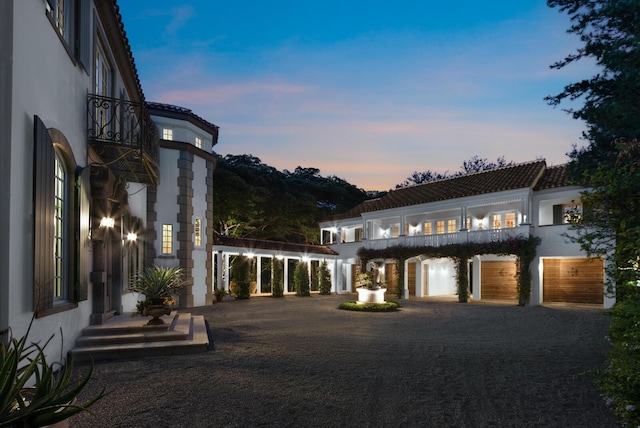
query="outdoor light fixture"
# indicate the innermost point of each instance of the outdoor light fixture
(107, 222)
(132, 237)
(279, 257)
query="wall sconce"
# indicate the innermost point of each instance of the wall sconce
(279, 257)
(132, 237)
(107, 222)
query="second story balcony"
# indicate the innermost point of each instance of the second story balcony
(436, 240)
(122, 134)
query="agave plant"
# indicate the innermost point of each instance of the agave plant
(52, 397)
(158, 283)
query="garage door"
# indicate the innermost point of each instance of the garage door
(498, 280)
(390, 278)
(576, 280)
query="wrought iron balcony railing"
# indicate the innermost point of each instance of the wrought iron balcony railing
(123, 135)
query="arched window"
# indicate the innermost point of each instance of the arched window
(61, 219)
(60, 234)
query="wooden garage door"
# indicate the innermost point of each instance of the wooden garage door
(498, 280)
(576, 280)
(411, 278)
(390, 278)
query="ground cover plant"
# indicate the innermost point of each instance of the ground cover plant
(369, 307)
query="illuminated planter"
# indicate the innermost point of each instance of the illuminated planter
(366, 295)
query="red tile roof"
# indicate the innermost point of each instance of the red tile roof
(554, 176)
(264, 244)
(496, 180)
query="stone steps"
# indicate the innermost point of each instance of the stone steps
(124, 336)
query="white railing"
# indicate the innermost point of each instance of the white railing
(439, 240)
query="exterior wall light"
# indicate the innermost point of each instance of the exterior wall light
(132, 237)
(107, 222)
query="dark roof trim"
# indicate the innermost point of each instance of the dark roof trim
(178, 145)
(113, 26)
(182, 113)
(264, 244)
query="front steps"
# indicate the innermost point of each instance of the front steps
(124, 336)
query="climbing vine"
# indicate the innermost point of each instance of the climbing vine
(523, 248)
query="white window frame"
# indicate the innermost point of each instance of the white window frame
(167, 134)
(60, 240)
(198, 142)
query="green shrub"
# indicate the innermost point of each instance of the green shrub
(278, 279)
(241, 289)
(52, 397)
(369, 307)
(620, 382)
(324, 279)
(301, 280)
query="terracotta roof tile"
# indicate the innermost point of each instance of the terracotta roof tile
(554, 176)
(495, 180)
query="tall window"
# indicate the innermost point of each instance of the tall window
(59, 16)
(198, 143)
(59, 233)
(167, 239)
(197, 232)
(428, 228)
(102, 84)
(167, 134)
(440, 227)
(496, 221)
(510, 220)
(452, 226)
(395, 230)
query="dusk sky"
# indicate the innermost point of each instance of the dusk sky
(368, 91)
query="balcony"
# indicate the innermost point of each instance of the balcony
(437, 240)
(122, 134)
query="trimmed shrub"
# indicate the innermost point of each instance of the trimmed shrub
(301, 280)
(324, 279)
(369, 307)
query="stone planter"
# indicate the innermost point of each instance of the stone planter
(366, 295)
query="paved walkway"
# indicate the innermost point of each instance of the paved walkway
(300, 362)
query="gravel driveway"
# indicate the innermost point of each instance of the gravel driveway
(301, 362)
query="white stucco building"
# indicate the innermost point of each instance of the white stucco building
(524, 200)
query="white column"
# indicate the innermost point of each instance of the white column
(218, 269)
(286, 275)
(258, 275)
(226, 271)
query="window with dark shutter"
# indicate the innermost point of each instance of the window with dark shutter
(43, 215)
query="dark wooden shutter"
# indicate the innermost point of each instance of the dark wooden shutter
(43, 215)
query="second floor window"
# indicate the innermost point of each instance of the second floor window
(440, 227)
(428, 228)
(198, 143)
(167, 134)
(510, 220)
(167, 239)
(452, 226)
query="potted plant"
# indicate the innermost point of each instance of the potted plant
(158, 284)
(220, 293)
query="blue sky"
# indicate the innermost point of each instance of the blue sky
(366, 91)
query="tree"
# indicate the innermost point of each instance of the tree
(470, 166)
(610, 34)
(609, 166)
